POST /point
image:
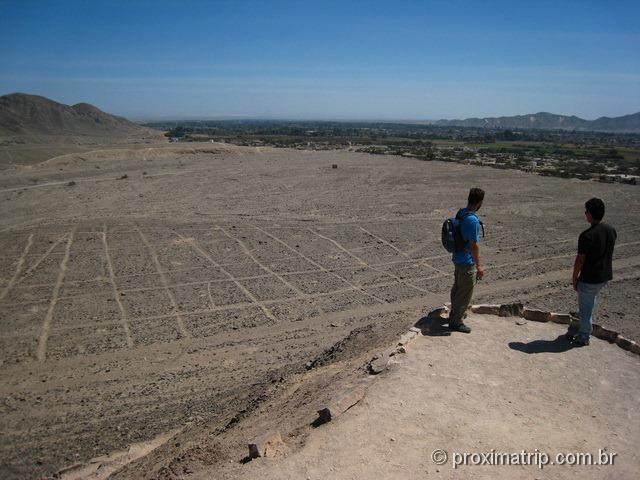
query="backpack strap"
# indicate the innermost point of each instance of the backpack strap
(461, 218)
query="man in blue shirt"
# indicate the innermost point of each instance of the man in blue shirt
(466, 261)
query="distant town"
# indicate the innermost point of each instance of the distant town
(587, 155)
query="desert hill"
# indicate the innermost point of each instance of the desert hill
(551, 121)
(33, 116)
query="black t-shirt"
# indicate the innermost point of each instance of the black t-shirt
(597, 244)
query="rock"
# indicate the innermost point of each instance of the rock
(415, 329)
(510, 310)
(624, 342)
(628, 345)
(341, 404)
(378, 365)
(406, 338)
(535, 315)
(380, 362)
(334, 166)
(562, 318)
(486, 309)
(266, 446)
(520, 322)
(604, 333)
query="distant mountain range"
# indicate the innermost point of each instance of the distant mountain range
(36, 117)
(32, 116)
(550, 121)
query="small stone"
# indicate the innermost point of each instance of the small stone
(623, 342)
(268, 445)
(520, 322)
(562, 318)
(406, 338)
(535, 315)
(627, 344)
(510, 310)
(340, 404)
(380, 362)
(486, 309)
(604, 333)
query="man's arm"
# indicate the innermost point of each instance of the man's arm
(577, 268)
(475, 254)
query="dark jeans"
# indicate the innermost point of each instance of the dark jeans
(461, 292)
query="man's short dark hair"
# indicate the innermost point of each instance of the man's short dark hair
(595, 207)
(476, 195)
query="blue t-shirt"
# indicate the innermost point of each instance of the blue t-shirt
(470, 231)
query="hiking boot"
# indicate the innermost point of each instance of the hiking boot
(461, 327)
(577, 342)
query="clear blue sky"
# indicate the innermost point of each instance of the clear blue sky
(325, 59)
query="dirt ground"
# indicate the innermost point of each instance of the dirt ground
(175, 287)
(504, 389)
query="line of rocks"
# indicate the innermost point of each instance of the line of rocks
(518, 310)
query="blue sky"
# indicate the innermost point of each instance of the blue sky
(325, 59)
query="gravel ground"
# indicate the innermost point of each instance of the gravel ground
(152, 289)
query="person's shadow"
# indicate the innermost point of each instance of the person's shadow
(436, 326)
(433, 326)
(559, 345)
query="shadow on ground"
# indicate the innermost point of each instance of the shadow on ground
(433, 326)
(559, 345)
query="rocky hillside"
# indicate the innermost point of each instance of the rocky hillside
(25, 115)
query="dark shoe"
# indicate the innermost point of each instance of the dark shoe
(576, 342)
(461, 327)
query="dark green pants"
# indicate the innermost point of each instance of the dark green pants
(461, 292)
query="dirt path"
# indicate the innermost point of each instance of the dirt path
(505, 387)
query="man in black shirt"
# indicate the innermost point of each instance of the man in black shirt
(592, 268)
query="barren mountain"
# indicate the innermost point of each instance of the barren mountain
(34, 117)
(551, 121)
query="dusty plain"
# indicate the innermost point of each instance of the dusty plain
(165, 288)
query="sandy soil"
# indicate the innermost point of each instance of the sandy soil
(505, 388)
(179, 287)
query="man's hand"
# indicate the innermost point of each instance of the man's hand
(577, 268)
(475, 254)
